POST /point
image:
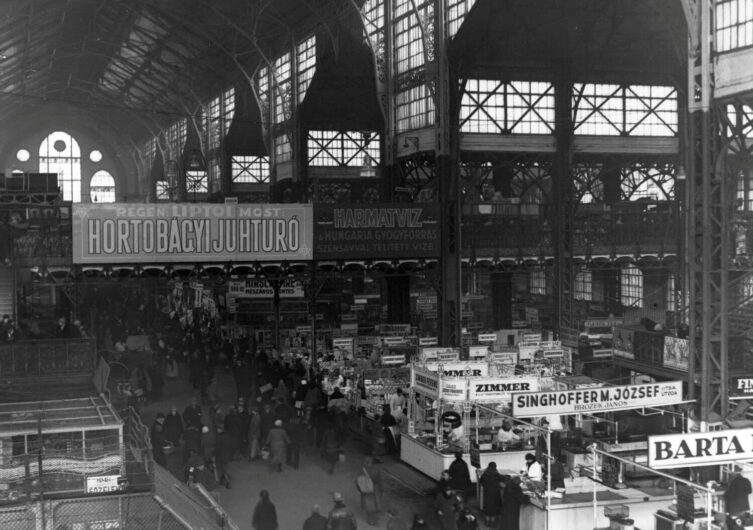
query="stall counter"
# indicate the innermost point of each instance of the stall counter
(575, 511)
(431, 462)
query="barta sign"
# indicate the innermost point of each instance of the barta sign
(700, 449)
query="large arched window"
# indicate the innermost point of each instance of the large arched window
(59, 153)
(102, 187)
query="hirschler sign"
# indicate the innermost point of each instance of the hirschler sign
(200, 232)
(700, 449)
(597, 399)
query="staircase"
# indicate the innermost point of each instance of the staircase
(7, 291)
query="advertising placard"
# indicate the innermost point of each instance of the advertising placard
(622, 343)
(676, 353)
(459, 368)
(426, 382)
(478, 352)
(741, 386)
(500, 389)
(454, 389)
(428, 341)
(360, 231)
(601, 399)
(253, 288)
(700, 448)
(104, 484)
(448, 356)
(487, 337)
(389, 360)
(431, 354)
(198, 232)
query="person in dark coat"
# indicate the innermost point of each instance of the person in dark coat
(223, 452)
(512, 499)
(158, 443)
(466, 519)
(173, 427)
(460, 476)
(192, 414)
(265, 513)
(491, 484)
(736, 496)
(278, 442)
(267, 420)
(340, 517)
(446, 505)
(330, 447)
(315, 521)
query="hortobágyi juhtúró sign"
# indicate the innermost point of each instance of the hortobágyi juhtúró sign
(137, 233)
(597, 399)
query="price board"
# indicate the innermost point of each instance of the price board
(104, 484)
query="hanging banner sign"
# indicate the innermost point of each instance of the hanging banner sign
(461, 368)
(500, 389)
(358, 231)
(700, 449)
(454, 389)
(199, 232)
(427, 383)
(740, 386)
(622, 342)
(597, 399)
(478, 352)
(263, 288)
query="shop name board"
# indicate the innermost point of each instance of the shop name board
(393, 359)
(426, 381)
(502, 389)
(478, 352)
(428, 341)
(700, 449)
(602, 322)
(376, 231)
(429, 354)
(487, 337)
(454, 390)
(460, 369)
(741, 386)
(597, 399)
(448, 356)
(104, 484)
(394, 341)
(139, 233)
(604, 353)
(264, 289)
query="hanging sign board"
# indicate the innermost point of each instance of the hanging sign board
(500, 389)
(503, 357)
(622, 342)
(393, 341)
(741, 386)
(104, 484)
(700, 449)
(428, 341)
(263, 289)
(593, 400)
(531, 337)
(459, 368)
(343, 344)
(604, 353)
(487, 337)
(448, 356)
(427, 383)
(478, 352)
(454, 389)
(191, 233)
(388, 360)
(430, 354)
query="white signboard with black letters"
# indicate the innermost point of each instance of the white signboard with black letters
(667, 451)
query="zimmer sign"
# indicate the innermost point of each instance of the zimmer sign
(151, 233)
(700, 449)
(597, 399)
(376, 231)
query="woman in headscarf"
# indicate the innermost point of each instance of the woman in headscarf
(491, 487)
(512, 499)
(278, 441)
(265, 514)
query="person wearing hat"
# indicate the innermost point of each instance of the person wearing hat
(512, 499)
(315, 521)
(159, 440)
(460, 476)
(491, 491)
(300, 396)
(277, 441)
(340, 517)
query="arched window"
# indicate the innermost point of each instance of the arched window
(102, 187)
(60, 153)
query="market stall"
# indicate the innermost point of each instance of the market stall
(446, 417)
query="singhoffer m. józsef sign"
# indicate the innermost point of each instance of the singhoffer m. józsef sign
(600, 399)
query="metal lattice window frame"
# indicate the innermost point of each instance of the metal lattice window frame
(343, 149)
(457, 10)
(408, 43)
(734, 25)
(655, 182)
(283, 150)
(66, 163)
(670, 300)
(305, 65)
(583, 285)
(176, 138)
(414, 109)
(283, 83)
(249, 169)
(537, 281)
(102, 187)
(228, 109)
(374, 22)
(215, 122)
(589, 187)
(625, 110)
(532, 183)
(631, 286)
(164, 191)
(516, 107)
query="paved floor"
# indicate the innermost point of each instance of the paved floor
(293, 491)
